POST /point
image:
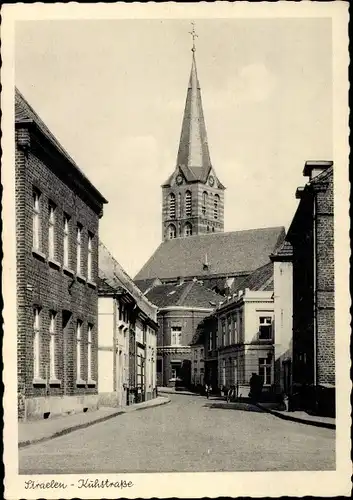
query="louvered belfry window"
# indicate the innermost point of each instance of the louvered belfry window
(188, 209)
(216, 206)
(172, 211)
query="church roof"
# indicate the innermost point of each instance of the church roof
(187, 294)
(227, 253)
(193, 157)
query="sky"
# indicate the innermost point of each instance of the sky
(113, 93)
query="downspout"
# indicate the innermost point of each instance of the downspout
(162, 334)
(315, 290)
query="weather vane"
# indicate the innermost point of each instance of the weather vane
(194, 35)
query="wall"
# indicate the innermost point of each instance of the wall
(46, 284)
(283, 322)
(198, 220)
(188, 319)
(325, 286)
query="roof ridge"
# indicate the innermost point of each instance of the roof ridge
(185, 292)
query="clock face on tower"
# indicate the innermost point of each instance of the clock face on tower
(211, 180)
(179, 179)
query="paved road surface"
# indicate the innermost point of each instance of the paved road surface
(185, 436)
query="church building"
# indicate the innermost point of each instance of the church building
(194, 245)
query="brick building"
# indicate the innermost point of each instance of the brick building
(127, 337)
(238, 336)
(180, 309)
(57, 221)
(311, 235)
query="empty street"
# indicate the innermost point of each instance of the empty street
(186, 435)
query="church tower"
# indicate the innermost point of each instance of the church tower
(193, 196)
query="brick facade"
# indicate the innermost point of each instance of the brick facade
(201, 222)
(172, 357)
(312, 237)
(45, 283)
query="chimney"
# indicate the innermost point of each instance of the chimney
(313, 168)
(299, 192)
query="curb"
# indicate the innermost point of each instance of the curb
(181, 393)
(63, 432)
(315, 423)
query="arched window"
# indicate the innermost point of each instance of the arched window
(204, 203)
(215, 206)
(179, 205)
(171, 231)
(188, 229)
(171, 204)
(188, 210)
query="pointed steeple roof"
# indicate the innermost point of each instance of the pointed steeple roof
(193, 154)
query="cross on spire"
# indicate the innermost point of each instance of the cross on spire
(194, 35)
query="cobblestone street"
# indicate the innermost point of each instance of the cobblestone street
(185, 436)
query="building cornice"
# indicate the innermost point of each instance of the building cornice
(185, 308)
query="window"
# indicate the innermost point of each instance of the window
(172, 208)
(201, 353)
(36, 220)
(208, 229)
(51, 236)
(171, 231)
(174, 373)
(66, 240)
(188, 208)
(230, 331)
(235, 332)
(78, 248)
(215, 206)
(223, 374)
(265, 328)
(210, 340)
(176, 335)
(89, 352)
(89, 256)
(52, 344)
(265, 370)
(224, 332)
(204, 203)
(78, 349)
(36, 342)
(179, 206)
(188, 229)
(159, 365)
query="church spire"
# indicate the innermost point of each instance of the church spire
(193, 147)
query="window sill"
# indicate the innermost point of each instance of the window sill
(40, 255)
(91, 383)
(54, 263)
(54, 382)
(80, 383)
(92, 284)
(68, 271)
(81, 278)
(40, 382)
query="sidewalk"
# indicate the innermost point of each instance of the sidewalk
(36, 431)
(172, 390)
(302, 417)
